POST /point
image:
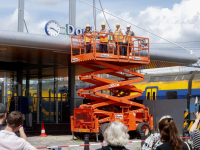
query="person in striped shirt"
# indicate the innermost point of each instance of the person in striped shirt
(194, 133)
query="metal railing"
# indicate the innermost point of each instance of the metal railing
(120, 47)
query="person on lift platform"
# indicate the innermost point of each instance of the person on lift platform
(103, 39)
(88, 38)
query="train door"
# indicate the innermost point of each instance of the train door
(151, 94)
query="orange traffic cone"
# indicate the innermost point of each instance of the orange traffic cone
(43, 134)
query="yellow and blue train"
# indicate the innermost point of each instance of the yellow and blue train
(168, 86)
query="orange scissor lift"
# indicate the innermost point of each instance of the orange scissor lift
(119, 105)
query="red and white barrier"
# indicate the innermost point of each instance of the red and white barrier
(136, 141)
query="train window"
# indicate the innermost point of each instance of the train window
(182, 77)
(165, 78)
(176, 78)
(109, 76)
(171, 94)
(100, 75)
(152, 79)
(123, 73)
(154, 95)
(148, 96)
(161, 79)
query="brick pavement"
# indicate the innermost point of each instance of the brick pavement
(67, 140)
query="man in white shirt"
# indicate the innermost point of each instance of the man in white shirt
(3, 115)
(103, 39)
(119, 38)
(9, 140)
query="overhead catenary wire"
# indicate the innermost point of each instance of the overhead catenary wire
(104, 15)
(177, 42)
(191, 52)
(25, 26)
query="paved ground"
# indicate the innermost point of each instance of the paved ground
(67, 140)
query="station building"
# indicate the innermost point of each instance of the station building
(39, 79)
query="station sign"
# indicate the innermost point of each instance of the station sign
(52, 28)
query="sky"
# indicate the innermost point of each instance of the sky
(174, 20)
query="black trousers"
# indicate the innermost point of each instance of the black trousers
(121, 48)
(125, 49)
(88, 47)
(104, 47)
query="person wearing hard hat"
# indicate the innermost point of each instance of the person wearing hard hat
(88, 38)
(103, 39)
(119, 37)
(128, 34)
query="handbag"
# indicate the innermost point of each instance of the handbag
(188, 146)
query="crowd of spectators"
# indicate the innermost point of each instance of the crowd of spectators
(115, 135)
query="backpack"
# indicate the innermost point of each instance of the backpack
(152, 142)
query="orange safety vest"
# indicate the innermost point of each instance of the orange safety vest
(88, 38)
(103, 38)
(118, 35)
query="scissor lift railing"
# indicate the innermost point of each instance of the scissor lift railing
(106, 107)
(138, 46)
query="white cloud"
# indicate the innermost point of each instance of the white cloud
(47, 2)
(175, 23)
(10, 23)
(181, 23)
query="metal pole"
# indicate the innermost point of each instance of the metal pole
(72, 13)
(142, 134)
(21, 16)
(61, 108)
(94, 14)
(5, 87)
(86, 141)
(57, 101)
(49, 105)
(38, 104)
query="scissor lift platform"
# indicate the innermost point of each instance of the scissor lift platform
(119, 105)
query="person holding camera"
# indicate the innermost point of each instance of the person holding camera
(194, 133)
(9, 140)
(3, 116)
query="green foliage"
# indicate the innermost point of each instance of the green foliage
(77, 140)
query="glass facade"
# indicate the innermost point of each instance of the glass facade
(43, 93)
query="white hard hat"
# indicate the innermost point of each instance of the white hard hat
(128, 26)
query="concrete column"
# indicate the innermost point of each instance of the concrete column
(21, 16)
(40, 94)
(71, 84)
(71, 67)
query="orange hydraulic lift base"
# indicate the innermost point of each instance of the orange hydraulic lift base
(94, 117)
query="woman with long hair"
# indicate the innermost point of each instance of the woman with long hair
(170, 136)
